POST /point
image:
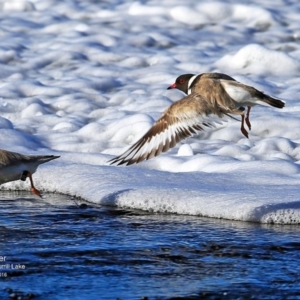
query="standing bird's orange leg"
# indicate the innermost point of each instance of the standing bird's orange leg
(247, 118)
(33, 189)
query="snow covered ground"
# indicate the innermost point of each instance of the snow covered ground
(86, 79)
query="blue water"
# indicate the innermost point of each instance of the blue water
(70, 249)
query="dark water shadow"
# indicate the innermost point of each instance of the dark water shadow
(72, 249)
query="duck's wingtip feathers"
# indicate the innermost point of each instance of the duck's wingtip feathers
(118, 161)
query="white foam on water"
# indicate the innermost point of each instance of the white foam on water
(87, 81)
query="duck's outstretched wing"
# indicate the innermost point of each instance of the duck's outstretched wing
(181, 120)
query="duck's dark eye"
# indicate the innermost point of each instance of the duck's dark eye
(181, 80)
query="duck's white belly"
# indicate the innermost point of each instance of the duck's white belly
(240, 95)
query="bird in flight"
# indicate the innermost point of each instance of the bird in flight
(229, 94)
(210, 96)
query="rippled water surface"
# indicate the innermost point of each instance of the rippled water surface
(61, 248)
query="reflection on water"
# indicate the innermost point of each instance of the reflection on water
(59, 248)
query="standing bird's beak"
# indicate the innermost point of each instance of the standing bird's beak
(173, 86)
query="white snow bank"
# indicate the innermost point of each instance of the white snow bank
(241, 194)
(86, 79)
(257, 59)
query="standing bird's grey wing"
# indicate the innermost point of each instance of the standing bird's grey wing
(15, 166)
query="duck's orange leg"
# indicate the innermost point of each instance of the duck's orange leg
(247, 118)
(243, 130)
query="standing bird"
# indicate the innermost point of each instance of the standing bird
(15, 166)
(225, 92)
(181, 120)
